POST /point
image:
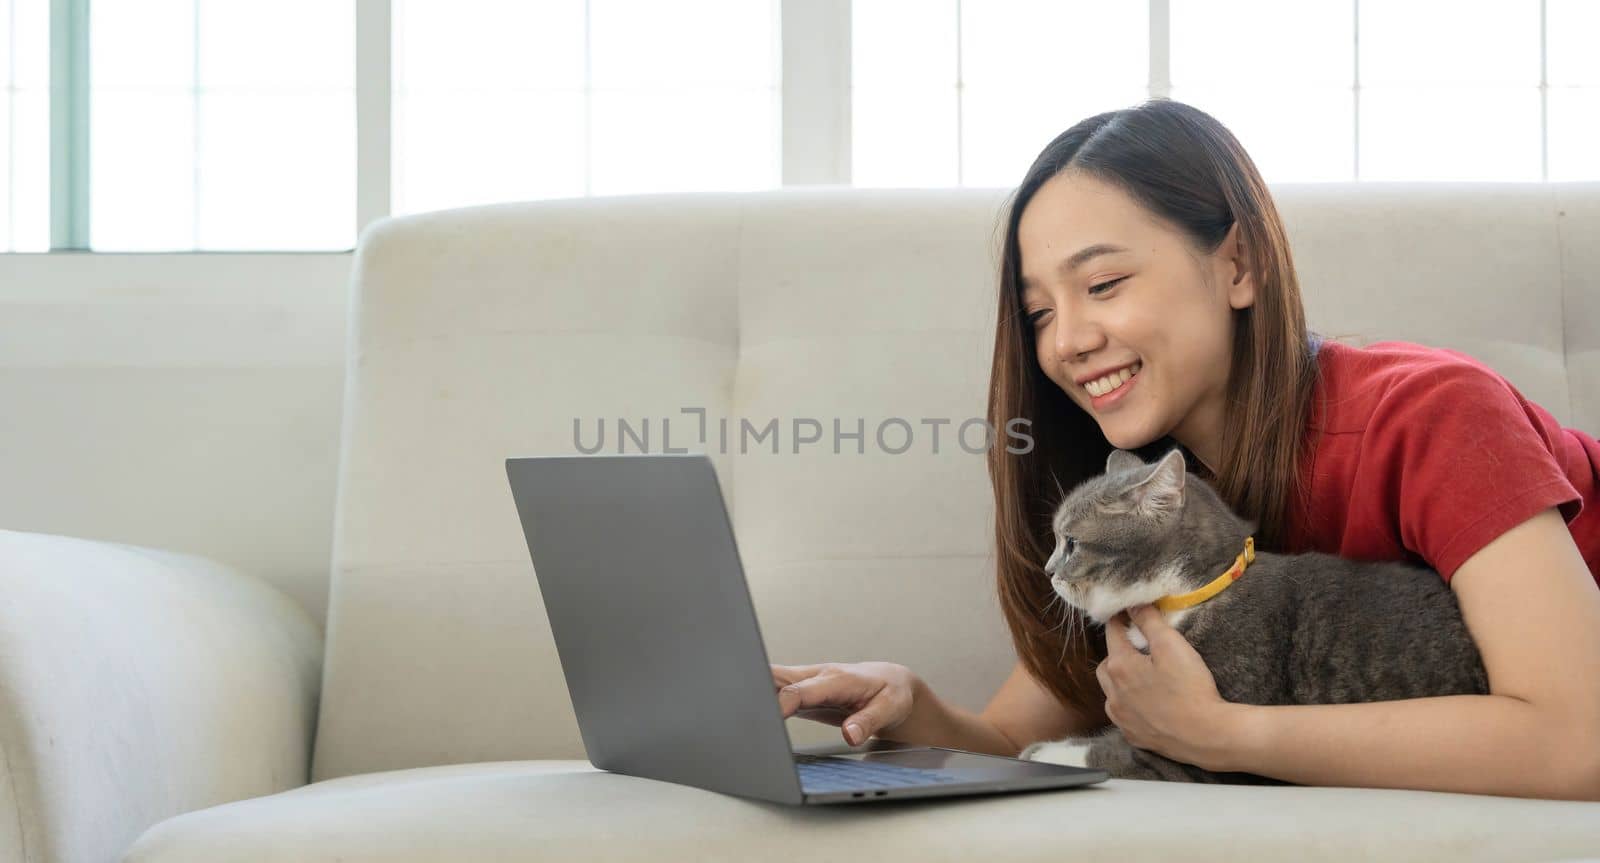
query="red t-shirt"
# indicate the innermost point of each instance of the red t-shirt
(1427, 455)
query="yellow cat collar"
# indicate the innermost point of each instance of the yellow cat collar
(1216, 585)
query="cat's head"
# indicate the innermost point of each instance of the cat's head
(1139, 532)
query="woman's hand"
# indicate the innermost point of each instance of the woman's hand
(865, 697)
(1167, 701)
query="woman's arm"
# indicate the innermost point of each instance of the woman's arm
(1483, 744)
(1534, 612)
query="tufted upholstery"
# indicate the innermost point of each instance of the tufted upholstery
(483, 333)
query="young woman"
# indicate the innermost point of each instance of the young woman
(1145, 240)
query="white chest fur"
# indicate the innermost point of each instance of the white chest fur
(1137, 639)
(1105, 601)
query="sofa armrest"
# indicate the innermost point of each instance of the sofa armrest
(137, 684)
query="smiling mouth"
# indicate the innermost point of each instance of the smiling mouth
(1112, 382)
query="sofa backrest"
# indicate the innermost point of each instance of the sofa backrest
(488, 332)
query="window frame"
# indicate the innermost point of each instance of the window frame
(815, 103)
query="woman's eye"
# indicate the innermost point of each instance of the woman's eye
(1106, 285)
(1094, 290)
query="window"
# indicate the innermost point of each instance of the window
(948, 92)
(219, 124)
(227, 125)
(967, 93)
(1573, 73)
(1279, 75)
(24, 125)
(500, 100)
(1022, 86)
(1467, 107)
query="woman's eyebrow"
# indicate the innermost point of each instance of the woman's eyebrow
(1079, 258)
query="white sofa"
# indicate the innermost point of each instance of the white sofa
(159, 707)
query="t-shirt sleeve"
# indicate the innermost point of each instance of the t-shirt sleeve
(1466, 458)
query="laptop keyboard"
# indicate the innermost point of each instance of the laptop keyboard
(821, 773)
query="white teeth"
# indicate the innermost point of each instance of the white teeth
(1110, 382)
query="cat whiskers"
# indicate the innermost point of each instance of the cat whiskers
(1069, 615)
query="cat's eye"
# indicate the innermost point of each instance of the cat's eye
(1072, 545)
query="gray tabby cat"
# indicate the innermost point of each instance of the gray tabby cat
(1308, 628)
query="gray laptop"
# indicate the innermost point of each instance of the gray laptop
(658, 641)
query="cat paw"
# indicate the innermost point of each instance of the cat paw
(1069, 752)
(1137, 639)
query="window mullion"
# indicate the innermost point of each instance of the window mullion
(1544, 93)
(961, 156)
(1355, 101)
(195, 215)
(1160, 13)
(588, 99)
(69, 124)
(815, 97)
(374, 110)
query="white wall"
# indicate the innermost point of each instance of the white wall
(185, 401)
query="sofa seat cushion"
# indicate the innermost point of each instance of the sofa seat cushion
(568, 810)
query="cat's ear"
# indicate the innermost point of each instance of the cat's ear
(1161, 493)
(1121, 459)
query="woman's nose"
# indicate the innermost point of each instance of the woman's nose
(1073, 340)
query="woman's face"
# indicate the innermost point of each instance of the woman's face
(1153, 307)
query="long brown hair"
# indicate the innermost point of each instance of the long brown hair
(1187, 169)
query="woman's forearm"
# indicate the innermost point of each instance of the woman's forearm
(936, 722)
(1484, 744)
